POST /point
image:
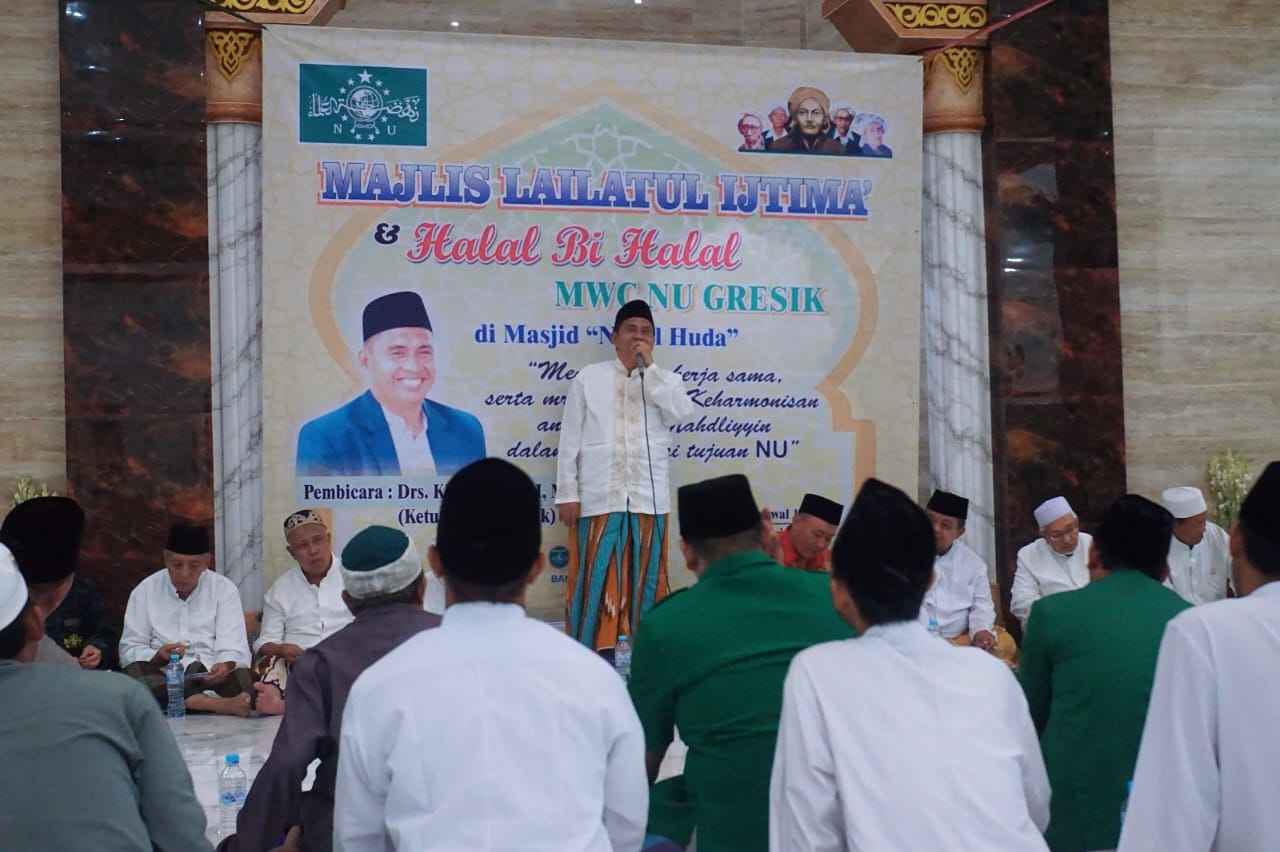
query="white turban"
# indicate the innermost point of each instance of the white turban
(1052, 509)
(1183, 501)
(378, 561)
(13, 589)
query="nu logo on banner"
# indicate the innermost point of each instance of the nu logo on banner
(362, 105)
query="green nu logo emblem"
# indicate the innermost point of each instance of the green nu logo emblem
(362, 105)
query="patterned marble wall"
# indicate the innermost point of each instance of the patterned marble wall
(135, 279)
(1058, 396)
(31, 414)
(752, 23)
(1198, 186)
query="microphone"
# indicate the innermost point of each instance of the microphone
(641, 361)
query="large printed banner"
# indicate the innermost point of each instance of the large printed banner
(479, 208)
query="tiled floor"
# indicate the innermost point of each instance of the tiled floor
(205, 742)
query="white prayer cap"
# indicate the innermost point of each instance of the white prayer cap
(379, 561)
(13, 589)
(1052, 509)
(1183, 501)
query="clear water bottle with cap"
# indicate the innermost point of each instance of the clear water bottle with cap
(176, 704)
(233, 786)
(622, 657)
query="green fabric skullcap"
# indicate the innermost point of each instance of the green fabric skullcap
(378, 561)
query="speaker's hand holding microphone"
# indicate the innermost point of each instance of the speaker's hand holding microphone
(641, 356)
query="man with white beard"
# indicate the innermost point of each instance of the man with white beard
(1058, 561)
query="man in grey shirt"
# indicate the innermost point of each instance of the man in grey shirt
(87, 761)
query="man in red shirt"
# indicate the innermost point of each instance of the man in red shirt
(807, 542)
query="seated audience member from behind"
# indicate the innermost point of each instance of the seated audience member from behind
(87, 763)
(384, 589)
(492, 731)
(191, 611)
(301, 608)
(861, 745)
(959, 604)
(1088, 660)
(714, 657)
(44, 534)
(806, 543)
(1057, 561)
(1206, 774)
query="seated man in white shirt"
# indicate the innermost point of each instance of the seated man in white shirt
(492, 731)
(1199, 553)
(301, 608)
(1058, 561)
(189, 611)
(958, 605)
(865, 760)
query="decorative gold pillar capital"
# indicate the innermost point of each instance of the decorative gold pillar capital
(233, 72)
(233, 51)
(952, 75)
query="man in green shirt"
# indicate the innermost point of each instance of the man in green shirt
(711, 661)
(1088, 661)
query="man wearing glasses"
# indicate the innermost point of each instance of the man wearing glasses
(1058, 561)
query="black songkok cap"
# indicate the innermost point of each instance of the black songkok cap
(490, 528)
(1134, 533)
(885, 549)
(634, 308)
(822, 508)
(44, 536)
(188, 539)
(1260, 511)
(395, 310)
(715, 508)
(951, 505)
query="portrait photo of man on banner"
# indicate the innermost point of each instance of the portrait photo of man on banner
(393, 428)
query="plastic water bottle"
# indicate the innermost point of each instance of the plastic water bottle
(622, 657)
(233, 786)
(176, 707)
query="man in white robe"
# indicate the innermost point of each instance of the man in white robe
(1057, 561)
(302, 607)
(612, 490)
(189, 611)
(867, 758)
(492, 731)
(1209, 765)
(1200, 553)
(958, 606)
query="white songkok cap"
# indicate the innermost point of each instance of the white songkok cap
(379, 561)
(13, 589)
(1183, 501)
(1050, 510)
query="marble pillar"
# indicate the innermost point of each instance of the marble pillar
(1057, 367)
(235, 290)
(955, 422)
(233, 69)
(135, 282)
(957, 389)
(233, 77)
